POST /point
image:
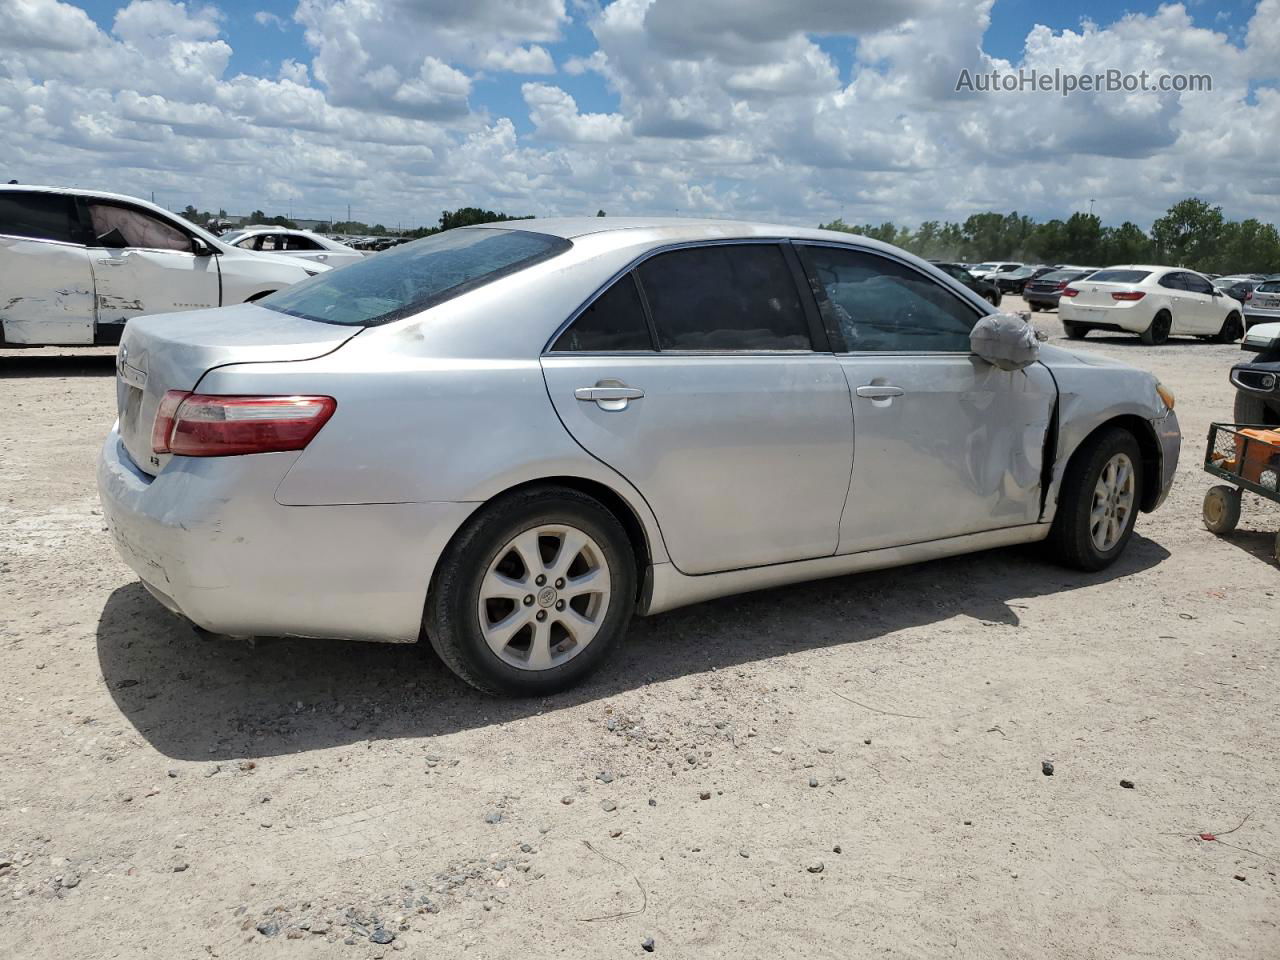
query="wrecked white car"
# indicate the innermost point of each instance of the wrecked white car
(75, 265)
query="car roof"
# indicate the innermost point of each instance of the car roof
(672, 229)
(104, 195)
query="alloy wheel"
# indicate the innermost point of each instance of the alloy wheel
(544, 597)
(1113, 499)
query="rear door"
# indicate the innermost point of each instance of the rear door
(703, 378)
(1207, 311)
(143, 263)
(1181, 306)
(46, 285)
(945, 444)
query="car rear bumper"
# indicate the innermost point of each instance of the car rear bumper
(207, 537)
(1133, 317)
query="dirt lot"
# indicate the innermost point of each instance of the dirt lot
(846, 768)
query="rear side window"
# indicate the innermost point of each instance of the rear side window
(1121, 276)
(614, 322)
(415, 276)
(1271, 286)
(879, 305)
(725, 297)
(41, 216)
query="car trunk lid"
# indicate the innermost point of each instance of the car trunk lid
(1098, 294)
(173, 351)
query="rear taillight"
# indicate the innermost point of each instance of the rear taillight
(201, 425)
(1128, 295)
(1070, 292)
(1248, 296)
(162, 429)
(1062, 285)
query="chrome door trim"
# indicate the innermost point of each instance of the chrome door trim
(666, 588)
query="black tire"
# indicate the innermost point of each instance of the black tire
(1070, 541)
(1255, 410)
(1221, 509)
(1158, 332)
(992, 297)
(1035, 307)
(451, 619)
(1075, 331)
(1232, 329)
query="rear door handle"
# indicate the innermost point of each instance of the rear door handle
(880, 391)
(609, 395)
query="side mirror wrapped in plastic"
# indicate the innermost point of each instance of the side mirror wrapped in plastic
(1005, 340)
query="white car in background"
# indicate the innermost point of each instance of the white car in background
(302, 244)
(989, 271)
(1153, 302)
(76, 265)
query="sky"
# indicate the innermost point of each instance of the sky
(793, 111)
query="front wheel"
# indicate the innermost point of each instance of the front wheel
(1221, 510)
(1232, 329)
(1255, 410)
(1158, 332)
(534, 594)
(1098, 502)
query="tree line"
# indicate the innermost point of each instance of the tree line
(462, 217)
(1191, 234)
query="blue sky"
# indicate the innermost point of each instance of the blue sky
(795, 110)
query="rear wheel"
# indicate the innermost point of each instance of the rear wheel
(1158, 332)
(1221, 509)
(1035, 307)
(534, 594)
(1075, 331)
(1232, 329)
(1098, 502)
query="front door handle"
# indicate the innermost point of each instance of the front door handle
(609, 394)
(113, 261)
(879, 391)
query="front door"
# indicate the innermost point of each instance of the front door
(945, 444)
(145, 264)
(46, 286)
(714, 404)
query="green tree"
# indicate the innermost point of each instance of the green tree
(468, 216)
(1189, 233)
(600, 213)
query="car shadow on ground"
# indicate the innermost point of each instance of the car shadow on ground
(200, 698)
(57, 365)
(1259, 544)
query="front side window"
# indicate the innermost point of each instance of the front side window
(415, 276)
(880, 305)
(116, 226)
(613, 323)
(725, 297)
(1197, 284)
(40, 216)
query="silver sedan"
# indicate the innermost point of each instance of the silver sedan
(509, 439)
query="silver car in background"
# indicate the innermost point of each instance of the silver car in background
(511, 438)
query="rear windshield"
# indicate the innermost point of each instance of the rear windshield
(1271, 286)
(414, 276)
(1121, 276)
(1057, 275)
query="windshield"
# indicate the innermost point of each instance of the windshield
(1120, 276)
(414, 276)
(1271, 286)
(233, 236)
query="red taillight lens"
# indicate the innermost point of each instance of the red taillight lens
(1128, 295)
(162, 430)
(1070, 292)
(1062, 285)
(1249, 295)
(202, 425)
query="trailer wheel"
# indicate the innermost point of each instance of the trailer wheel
(1221, 509)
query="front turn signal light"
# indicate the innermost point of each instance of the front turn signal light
(1165, 394)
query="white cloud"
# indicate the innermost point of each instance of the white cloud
(727, 107)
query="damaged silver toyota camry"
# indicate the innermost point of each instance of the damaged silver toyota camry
(509, 439)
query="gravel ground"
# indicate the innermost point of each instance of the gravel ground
(846, 768)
